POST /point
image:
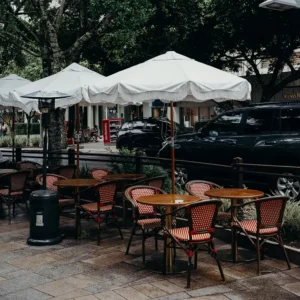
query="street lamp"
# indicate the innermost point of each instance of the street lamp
(280, 5)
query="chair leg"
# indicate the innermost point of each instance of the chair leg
(9, 211)
(99, 232)
(196, 259)
(131, 237)
(189, 272)
(156, 244)
(215, 256)
(284, 251)
(258, 254)
(118, 225)
(165, 256)
(143, 244)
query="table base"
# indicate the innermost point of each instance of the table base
(243, 255)
(155, 264)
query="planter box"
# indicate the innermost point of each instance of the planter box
(273, 249)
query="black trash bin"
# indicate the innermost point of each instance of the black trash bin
(44, 218)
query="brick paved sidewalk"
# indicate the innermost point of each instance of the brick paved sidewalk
(82, 270)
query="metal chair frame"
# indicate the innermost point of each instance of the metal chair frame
(97, 215)
(13, 188)
(272, 229)
(137, 217)
(195, 227)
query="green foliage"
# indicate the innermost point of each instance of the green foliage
(35, 141)
(21, 128)
(292, 220)
(20, 141)
(5, 141)
(84, 172)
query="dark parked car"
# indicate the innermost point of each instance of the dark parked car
(261, 134)
(146, 134)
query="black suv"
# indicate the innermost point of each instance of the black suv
(261, 134)
(146, 134)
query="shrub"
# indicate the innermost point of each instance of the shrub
(5, 141)
(35, 141)
(20, 141)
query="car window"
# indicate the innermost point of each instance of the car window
(290, 119)
(138, 125)
(227, 124)
(152, 126)
(124, 126)
(259, 121)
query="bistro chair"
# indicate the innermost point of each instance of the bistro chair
(50, 179)
(201, 218)
(157, 182)
(104, 208)
(145, 217)
(15, 190)
(198, 188)
(266, 226)
(65, 171)
(99, 173)
(34, 169)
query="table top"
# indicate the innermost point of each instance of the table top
(168, 199)
(6, 171)
(234, 193)
(81, 182)
(130, 177)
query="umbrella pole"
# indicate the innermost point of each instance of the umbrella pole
(172, 149)
(77, 139)
(13, 135)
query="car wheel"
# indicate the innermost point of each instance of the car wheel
(181, 176)
(288, 186)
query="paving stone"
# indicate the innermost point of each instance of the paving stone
(177, 296)
(277, 264)
(21, 283)
(7, 268)
(268, 280)
(2, 279)
(11, 247)
(218, 289)
(72, 295)
(90, 297)
(107, 259)
(35, 260)
(17, 273)
(214, 297)
(293, 288)
(293, 272)
(149, 291)
(167, 286)
(264, 293)
(131, 293)
(109, 295)
(28, 294)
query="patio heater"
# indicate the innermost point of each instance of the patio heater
(280, 5)
(44, 208)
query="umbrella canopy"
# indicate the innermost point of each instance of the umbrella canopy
(46, 95)
(73, 81)
(8, 84)
(171, 77)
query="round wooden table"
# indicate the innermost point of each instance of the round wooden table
(124, 179)
(234, 194)
(77, 183)
(7, 171)
(169, 201)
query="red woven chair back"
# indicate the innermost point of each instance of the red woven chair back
(66, 171)
(133, 193)
(202, 215)
(24, 165)
(99, 173)
(156, 182)
(270, 211)
(18, 181)
(199, 187)
(107, 192)
(50, 179)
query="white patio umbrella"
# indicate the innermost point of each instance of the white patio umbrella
(73, 81)
(7, 84)
(170, 77)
